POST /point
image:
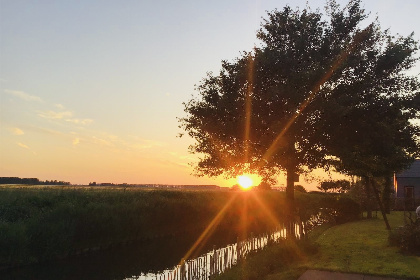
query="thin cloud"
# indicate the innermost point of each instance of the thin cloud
(22, 145)
(142, 144)
(23, 95)
(76, 141)
(59, 106)
(17, 131)
(46, 131)
(80, 121)
(63, 115)
(54, 115)
(100, 141)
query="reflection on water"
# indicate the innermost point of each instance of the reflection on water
(118, 262)
(155, 259)
(217, 261)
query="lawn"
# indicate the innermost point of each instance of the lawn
(355, 247)
(358, 247)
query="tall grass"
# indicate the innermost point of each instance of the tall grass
(37, 224)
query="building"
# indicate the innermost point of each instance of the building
(407, 185)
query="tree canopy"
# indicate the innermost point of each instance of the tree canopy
(320, 89)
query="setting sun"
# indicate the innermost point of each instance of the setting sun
(245, 181)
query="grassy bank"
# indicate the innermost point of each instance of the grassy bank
(355, 247)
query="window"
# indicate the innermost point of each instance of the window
(409, 192)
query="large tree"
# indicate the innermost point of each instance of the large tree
(377, 138)
(270, 110)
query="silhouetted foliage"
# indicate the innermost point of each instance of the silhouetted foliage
(264, 186)
(300, 188)
(326, 208)
(338, 186)
(30, 181)
(236, 187)
(347, 210)
(320, 90)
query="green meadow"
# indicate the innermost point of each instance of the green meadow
(355, 247)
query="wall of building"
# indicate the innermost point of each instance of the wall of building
(402, 182)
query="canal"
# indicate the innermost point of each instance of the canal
(157, 259)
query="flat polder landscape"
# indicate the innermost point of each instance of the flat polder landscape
(270, 138)
(84, 232)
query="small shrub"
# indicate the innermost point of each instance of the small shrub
(407, 237)
(347, 210)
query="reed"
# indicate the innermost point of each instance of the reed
(38, 224)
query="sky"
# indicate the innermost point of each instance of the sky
(91, 90)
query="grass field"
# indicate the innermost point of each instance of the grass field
(355, 247)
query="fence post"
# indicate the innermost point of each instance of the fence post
(182, 269)
(238, 250)
(302, 235)
(206, 268)
(215, 259)
(252, 241)
(189, 269)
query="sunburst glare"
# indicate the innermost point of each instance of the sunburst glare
(245, 181)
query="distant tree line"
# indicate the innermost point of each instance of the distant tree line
(337, 186)
(30, 181)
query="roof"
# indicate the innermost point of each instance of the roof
(412, 172)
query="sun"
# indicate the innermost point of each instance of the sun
(245, 181)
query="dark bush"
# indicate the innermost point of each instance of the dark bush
(327, 208)
(347, 210)
(407, 237)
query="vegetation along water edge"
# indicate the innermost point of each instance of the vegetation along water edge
(38, 224)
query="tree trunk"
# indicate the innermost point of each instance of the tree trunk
(375, 191)
(368, 197)
(290, 201)
(290, 185)
(386, 195)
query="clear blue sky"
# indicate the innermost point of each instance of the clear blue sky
(90, 90)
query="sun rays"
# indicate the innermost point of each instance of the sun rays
(205, 235)
(244, 180)
(248, 107)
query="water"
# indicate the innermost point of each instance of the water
(158, 259)
(216, 261)
(118, 262)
